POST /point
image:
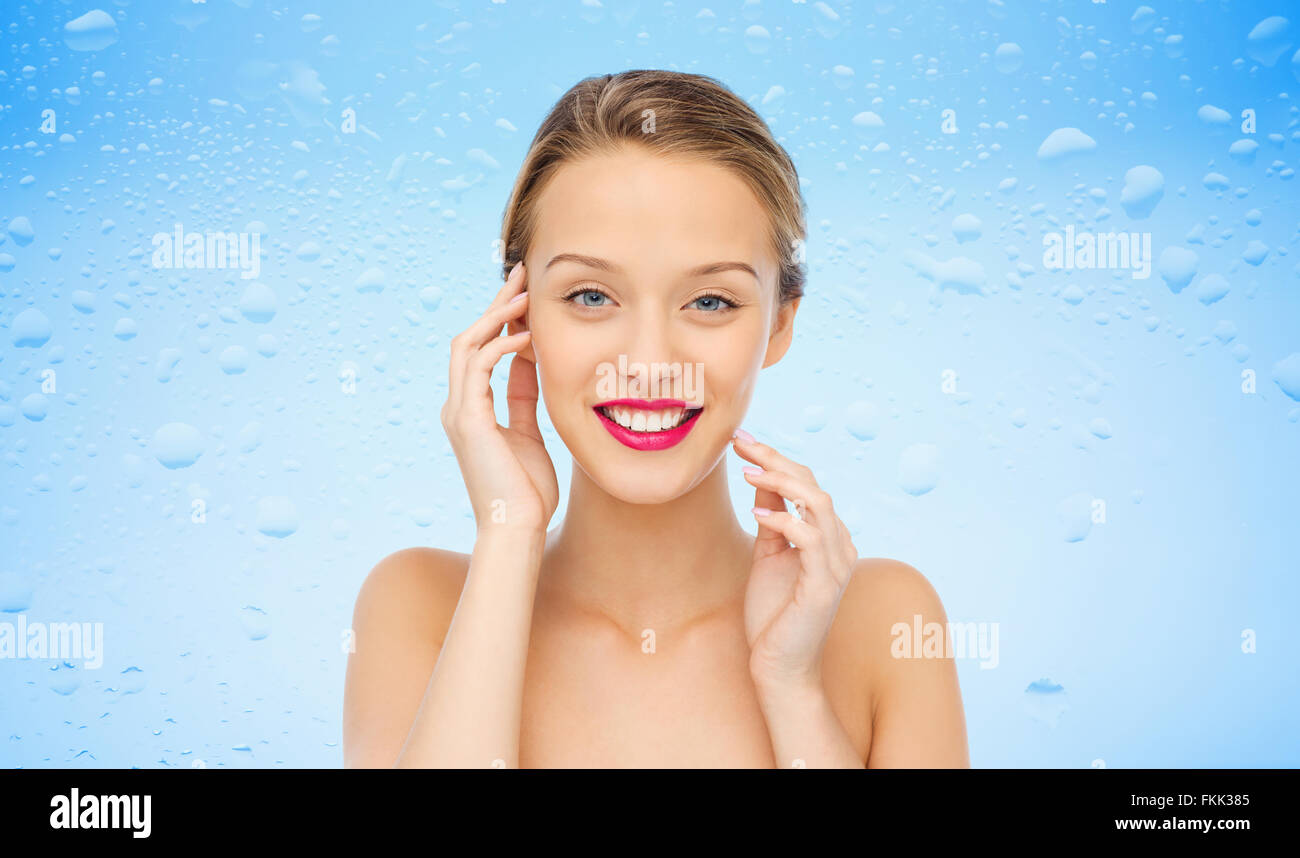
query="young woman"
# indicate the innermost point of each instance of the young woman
(651, 244)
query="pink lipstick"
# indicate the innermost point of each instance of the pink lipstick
(636, 411)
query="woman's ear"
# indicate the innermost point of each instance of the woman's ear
(782, 332)
(515, 326)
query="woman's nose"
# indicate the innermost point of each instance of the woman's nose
(658, 378)
(651, 360)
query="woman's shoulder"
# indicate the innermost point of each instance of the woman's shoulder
(881, 593)
(884, 585)
(414, 588)
(913, 692)
(883, 597)
(401, 617)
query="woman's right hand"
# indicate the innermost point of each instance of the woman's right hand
(508, 473)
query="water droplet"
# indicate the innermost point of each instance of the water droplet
(20, 230)
(814, 418)
(1177, 267)
(177, 445)
(277, 516)
(1063, 143)
(757, 39)
(1211, 288)
(1286, 373)
(1215, 117)
(1075, 514)
(1143, 188)
(966, 227)
(1269, 40)
(93, 31)
(31, 329)
(256, 623)
(371, 280)
(918, 469)
(234, 360)
(1008, 57)
(1046, 701)
(258, 303)
(15, 591)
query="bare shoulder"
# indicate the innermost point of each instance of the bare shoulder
(915, 699)
(881, 594)
(884, 589)
(400, 620)
(415, 589)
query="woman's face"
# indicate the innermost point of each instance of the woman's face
(653, 306)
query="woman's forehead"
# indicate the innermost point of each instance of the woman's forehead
(625, 205)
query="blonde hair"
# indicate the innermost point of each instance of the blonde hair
(674, 114)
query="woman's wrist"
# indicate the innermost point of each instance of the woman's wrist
(804, 729)
(511, 543)
(798, 689)
(514, 532)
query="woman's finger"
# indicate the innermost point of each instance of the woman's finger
(488, 325)
(805, 496)
(768, 458)
(808, 539)
(521, 397)
(821, 518)
(478, 371)
(846, 543)
(515, 281)
(769, 540)
(484, 329)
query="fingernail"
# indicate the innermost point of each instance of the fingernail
(760, 511)
(750, 469)
(744, 436)
(521, 296)
(514, 272)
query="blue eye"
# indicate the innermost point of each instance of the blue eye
(712, 303)
(589, 298)
(594, 299)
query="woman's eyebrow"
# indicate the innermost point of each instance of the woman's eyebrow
(715, 267)
(580, 259)
(605, 265)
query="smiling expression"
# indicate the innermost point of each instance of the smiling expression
(653, 307)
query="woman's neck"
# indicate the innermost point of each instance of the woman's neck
(659, 566)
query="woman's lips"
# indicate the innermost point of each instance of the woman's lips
(658, 440)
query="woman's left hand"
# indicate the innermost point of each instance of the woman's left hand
(794, 590)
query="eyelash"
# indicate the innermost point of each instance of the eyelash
(730, 304)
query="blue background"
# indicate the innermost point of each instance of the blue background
(225, 640)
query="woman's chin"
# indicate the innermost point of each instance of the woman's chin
(651, 480)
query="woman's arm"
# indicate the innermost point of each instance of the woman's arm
(398, 625)
(803, 565)
(919, 721)
(472, 679)
(805, 731)
(424, 619)
(469, 715)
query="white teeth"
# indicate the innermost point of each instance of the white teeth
(647, 421)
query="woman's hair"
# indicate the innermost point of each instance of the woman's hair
(673, 114)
